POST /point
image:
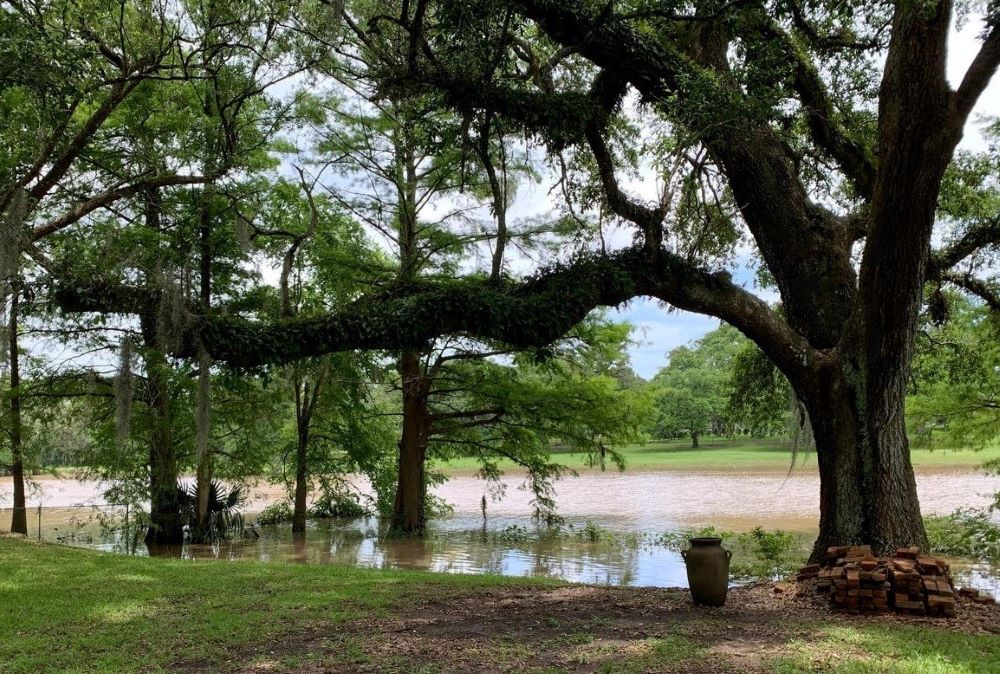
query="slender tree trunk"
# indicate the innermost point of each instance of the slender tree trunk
(302, 418)
(301, 483)
(408, 512)
(165, 525)
(409, 516)
(19, 519)
(694, 439)
(305, 396)
(204, 454)
(498, 188)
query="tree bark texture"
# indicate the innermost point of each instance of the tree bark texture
(304, 402)
(165, 524)
(864, 498)
(19, 518)
(409, 513)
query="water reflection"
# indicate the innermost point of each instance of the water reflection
(979, 575)
(507, 546)
(643, 502)
(451, 547)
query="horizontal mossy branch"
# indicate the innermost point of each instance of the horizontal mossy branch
(531, 313)
(526, 314)
(558, 117)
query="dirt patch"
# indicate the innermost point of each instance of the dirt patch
(574, 629)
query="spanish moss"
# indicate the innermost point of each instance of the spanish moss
(124, 389)
(172, 317)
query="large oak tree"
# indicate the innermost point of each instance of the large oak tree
(828, 127)
(770, 91)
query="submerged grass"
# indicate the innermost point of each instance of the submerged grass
(757, 554)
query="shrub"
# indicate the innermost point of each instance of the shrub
(771, 554)
(225, 516)
(966, 532)
(278, 512)
(512, 533)
(336, 503)
(757, 555)
(592, 532)
(678, 540)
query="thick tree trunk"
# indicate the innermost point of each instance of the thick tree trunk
(165, 525)
(408, 514)
(868, 493)
(19, 519)
(868, 488)
(694, 439)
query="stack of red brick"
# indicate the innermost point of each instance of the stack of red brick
(907, 582)
(921, 583)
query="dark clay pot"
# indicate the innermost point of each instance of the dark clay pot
(707, 570)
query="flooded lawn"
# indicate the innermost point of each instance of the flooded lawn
(639, 506)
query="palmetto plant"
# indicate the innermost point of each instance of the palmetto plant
(225, 517)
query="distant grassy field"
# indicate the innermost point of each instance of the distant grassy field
(723, 454)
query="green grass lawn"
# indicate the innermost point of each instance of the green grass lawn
(722, 454)
(72, 610)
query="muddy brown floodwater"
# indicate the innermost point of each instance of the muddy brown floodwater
(647, 502)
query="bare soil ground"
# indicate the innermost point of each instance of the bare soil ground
(589, 629)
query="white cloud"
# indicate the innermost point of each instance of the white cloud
(658, 331)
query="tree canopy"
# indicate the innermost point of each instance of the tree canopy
(693, 389)
(819, 140)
